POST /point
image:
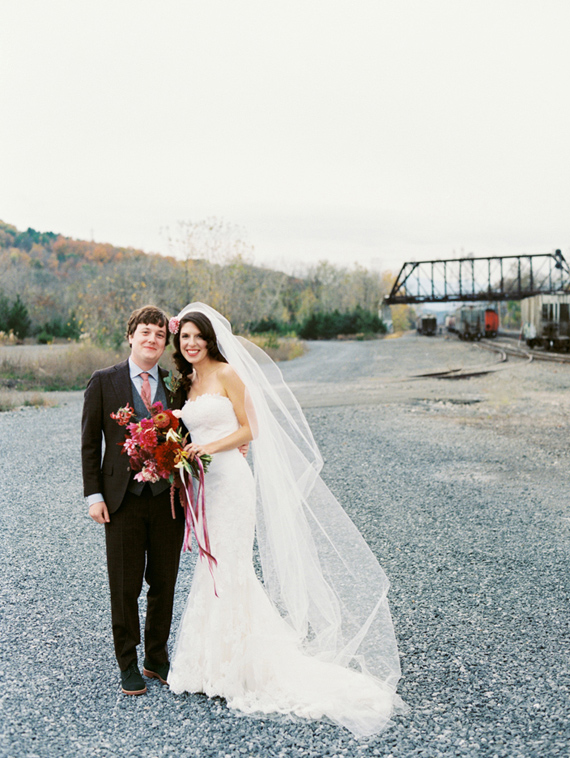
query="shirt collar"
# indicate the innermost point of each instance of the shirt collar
(136, 370)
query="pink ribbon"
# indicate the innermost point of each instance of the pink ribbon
(195, 519)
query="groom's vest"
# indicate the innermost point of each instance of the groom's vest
(141, 412)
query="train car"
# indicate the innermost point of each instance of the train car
(450, 323)
(546, 321)
(426, 325)
(470, 322)
(491, 322)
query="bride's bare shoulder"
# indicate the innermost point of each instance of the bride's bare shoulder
(226, 371)
(228, 375)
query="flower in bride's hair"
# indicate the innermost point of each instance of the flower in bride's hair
(174, 325)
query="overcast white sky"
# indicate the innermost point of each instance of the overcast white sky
(370, 131)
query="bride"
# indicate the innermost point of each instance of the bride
(316, 638)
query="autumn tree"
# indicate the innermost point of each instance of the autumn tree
(94, 286)
(403, 316)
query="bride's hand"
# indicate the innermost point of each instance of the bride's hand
(194, 449)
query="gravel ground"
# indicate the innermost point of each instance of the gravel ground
(460, 488)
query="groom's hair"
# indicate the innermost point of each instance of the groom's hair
(148, 314)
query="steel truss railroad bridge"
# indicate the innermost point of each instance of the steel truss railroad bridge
(508, 277)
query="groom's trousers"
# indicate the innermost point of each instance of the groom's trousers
(143, 542)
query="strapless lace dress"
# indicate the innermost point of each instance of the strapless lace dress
(236, 645)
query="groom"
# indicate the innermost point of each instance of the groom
(143, 541)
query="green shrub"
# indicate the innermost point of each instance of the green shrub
(321, 325)
(18, 319)
(4, 313)
(45, 338)
(270, 324)
(66, 328)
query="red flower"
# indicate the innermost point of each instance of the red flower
(123, 415)
(166, 456)
(144, 434)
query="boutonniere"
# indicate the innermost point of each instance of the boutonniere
(173, 384)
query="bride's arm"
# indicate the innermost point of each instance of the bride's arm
(235, 390)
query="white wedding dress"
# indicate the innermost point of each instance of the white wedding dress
(236, 645)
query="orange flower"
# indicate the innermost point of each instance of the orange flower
(165, 420)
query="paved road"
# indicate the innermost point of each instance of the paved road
(466, 509)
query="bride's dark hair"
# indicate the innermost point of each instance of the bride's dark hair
(207, 333)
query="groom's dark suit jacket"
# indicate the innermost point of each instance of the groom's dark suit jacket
(108, 390)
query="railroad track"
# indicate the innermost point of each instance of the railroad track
(504, 350)
(467, 373)
(522, 352)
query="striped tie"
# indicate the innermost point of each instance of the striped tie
(145, 391)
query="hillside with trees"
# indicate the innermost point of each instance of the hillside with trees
(55, 286)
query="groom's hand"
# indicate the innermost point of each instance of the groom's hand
(99, 513)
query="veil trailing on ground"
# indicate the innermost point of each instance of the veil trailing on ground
(317, 568)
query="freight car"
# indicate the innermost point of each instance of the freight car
(546, 321)
(491, 322)
(470, 322)
(426, 325)
(450, 323)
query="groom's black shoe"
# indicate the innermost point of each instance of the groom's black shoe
(132, 682)
(156, 670)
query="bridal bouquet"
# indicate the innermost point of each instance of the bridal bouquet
(155, 446)
(156, 451)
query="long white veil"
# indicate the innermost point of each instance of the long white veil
(317, 568)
